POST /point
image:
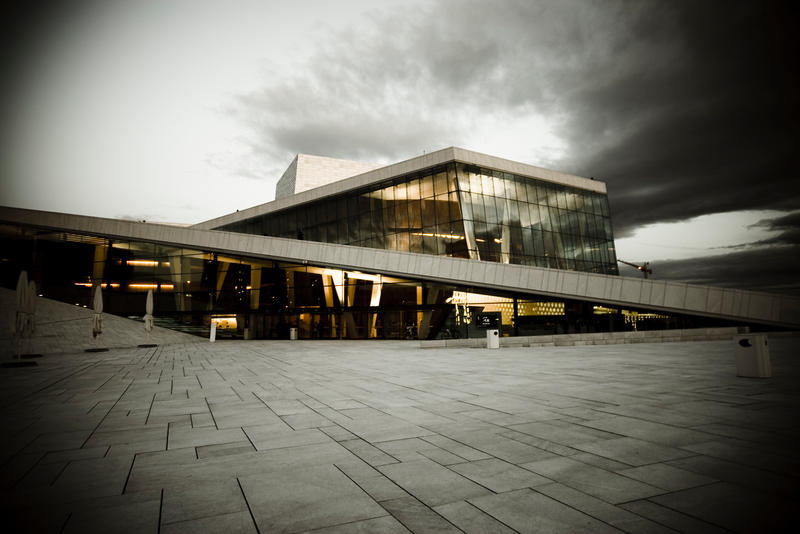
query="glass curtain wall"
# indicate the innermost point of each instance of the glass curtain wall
(462, 211)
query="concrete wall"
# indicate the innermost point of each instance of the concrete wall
(597, 338)
(656, 295)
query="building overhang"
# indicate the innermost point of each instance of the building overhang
(656, 295)
(426, 161)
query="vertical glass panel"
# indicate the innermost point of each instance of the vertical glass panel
(455, 208)
(527, 242)
(402, 241)
(442, 209)
(607, 227)
(389, 224)
(415, 242)
(544, 217)
(341, 208)
(521, 191)
(513, 213)
(487, 184)
(475, 185)
(478, 213)
(458, 180)
(413, 189)
(524, 214)
(401, 213)
(400, 191)
(499, 185)
(414, 214)
(501, 206)
(515, 235)
(562, 199)
(604, 206)
(440, 183)
(353, 235)
(489, 208)
(429, 239)
(530, 187)
(428, 212)
(377, 222)
(426, 186)
(533, 213)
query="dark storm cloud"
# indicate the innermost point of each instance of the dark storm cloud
(788, 226)
(683, 108)
(772, 269)
(713, 129)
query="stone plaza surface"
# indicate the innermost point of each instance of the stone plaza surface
(364, 436)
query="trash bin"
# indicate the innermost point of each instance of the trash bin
(492, 338)
(293, 333)
(752, 356)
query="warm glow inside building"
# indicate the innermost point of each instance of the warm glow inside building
(347, 249)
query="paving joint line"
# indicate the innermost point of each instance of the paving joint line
(253, 517)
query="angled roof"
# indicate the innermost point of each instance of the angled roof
(418, 163)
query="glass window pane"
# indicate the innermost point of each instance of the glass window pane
(440, 183)
(401, 213)
(489, 208)
(475, 185)
(487, 184)
(521, 192)
(426, 186)
(455, 207)
(413, 189)
(452, 178)
(428, 212)
(442, 209)
(530, 187)
(414, 214)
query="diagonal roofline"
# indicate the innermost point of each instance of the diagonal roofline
(657, 295)
(393, 170)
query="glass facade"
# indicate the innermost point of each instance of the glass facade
(254, 298)
(462, 211)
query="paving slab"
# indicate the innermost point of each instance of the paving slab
(633, 451)
(294, 500)
(527, 511)
(432, 483)
(499, 476)
(597, 482)
(558, 439)
(471, 519)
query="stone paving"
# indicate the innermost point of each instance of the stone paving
(363, 436)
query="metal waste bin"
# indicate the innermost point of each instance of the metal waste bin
(752, 356)
(492, 338)
(293, 333)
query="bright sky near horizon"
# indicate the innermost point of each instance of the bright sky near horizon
(183, 111)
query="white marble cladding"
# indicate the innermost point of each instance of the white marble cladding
(669, 297)
(308, 172)
(398, 169)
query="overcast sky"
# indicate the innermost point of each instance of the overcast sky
(182, 111)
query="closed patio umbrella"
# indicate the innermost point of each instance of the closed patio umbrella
(97, 320)
(23, 319)
(148, 318)
(20, 318)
